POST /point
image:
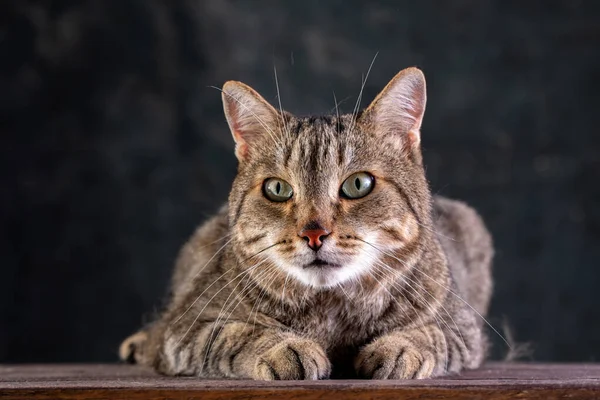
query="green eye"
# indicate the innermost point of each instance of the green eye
(358, 185)
(276, 189)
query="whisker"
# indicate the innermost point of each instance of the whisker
(213, 242)
(287, 275)
(215, 295)
(212, 258)
(436, 232)
(449, 291)
(432, 309)
(245, 272)
(337, 103)
(417, 313)
(358, 100)
(305, 296)
(339, 285)
(215, 281)
(410, 304)
(253, 283)
(225, 308)
(283, 122)
(271, 272)
(269, 281)
(226, 303)
(357, 280)
(200, 295)
(263, 250)
(337, 112)
(404, 277)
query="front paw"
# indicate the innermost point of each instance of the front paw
(395, 357)
(293, 359)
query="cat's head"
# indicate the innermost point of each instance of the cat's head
(328, 199)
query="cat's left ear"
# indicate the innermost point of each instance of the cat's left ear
(251, 119)
(398, 110)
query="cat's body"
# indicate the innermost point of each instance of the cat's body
(389, 286)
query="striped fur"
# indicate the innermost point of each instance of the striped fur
(412, 281)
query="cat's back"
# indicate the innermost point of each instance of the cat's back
(468, 247)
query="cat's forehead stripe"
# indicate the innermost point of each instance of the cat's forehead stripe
(318, 134)
(318, 143)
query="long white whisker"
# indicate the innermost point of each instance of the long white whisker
(195, 276)
(247, 286)
(225, 308)
(271, 273)
(264, 289)
(283, 123)
(362, 87)
(337, 104)
(436, 232)
(200, 295)
(337, 112)
(214, 241)
(212, 258)
(417, 313)
(287, 276)
(405, 278)
(253, 283)
(339, 285)
(304, 297)
(433, 312)
(449, 291)
(215, 295)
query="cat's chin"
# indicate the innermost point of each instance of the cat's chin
(321, 277)
(324, 275)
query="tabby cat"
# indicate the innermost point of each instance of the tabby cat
(331, 259)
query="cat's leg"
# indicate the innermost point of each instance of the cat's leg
(240, 350)
(419, 353)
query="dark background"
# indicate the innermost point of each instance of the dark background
(113, 147)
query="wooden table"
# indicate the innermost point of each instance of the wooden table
(494, 381)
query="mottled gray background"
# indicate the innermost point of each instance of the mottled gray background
(113, 147)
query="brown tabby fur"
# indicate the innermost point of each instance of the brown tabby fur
(413, 274)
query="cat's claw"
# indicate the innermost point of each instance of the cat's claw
(293, 359)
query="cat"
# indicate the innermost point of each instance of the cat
(331, 258)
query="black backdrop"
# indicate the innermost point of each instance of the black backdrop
(113, 147)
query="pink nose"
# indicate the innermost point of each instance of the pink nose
(314, 237)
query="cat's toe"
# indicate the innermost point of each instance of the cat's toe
(390, 359)
(293, 359)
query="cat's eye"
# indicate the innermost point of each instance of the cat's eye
(276, 189)
(358, 185)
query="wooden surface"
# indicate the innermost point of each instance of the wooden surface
(494, 381)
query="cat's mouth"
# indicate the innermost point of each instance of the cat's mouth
(319, 263)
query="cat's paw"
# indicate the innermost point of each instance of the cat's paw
(293, 359)
(395, 357)
(131, 350)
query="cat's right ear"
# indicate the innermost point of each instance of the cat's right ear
(251, 118)
(397, 111)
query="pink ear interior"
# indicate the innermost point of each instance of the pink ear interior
(399, 108)
(249, 116)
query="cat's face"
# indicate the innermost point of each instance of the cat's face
(324, 200)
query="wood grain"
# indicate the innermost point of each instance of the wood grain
(493, 381)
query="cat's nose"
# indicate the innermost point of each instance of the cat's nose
(314, 234)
